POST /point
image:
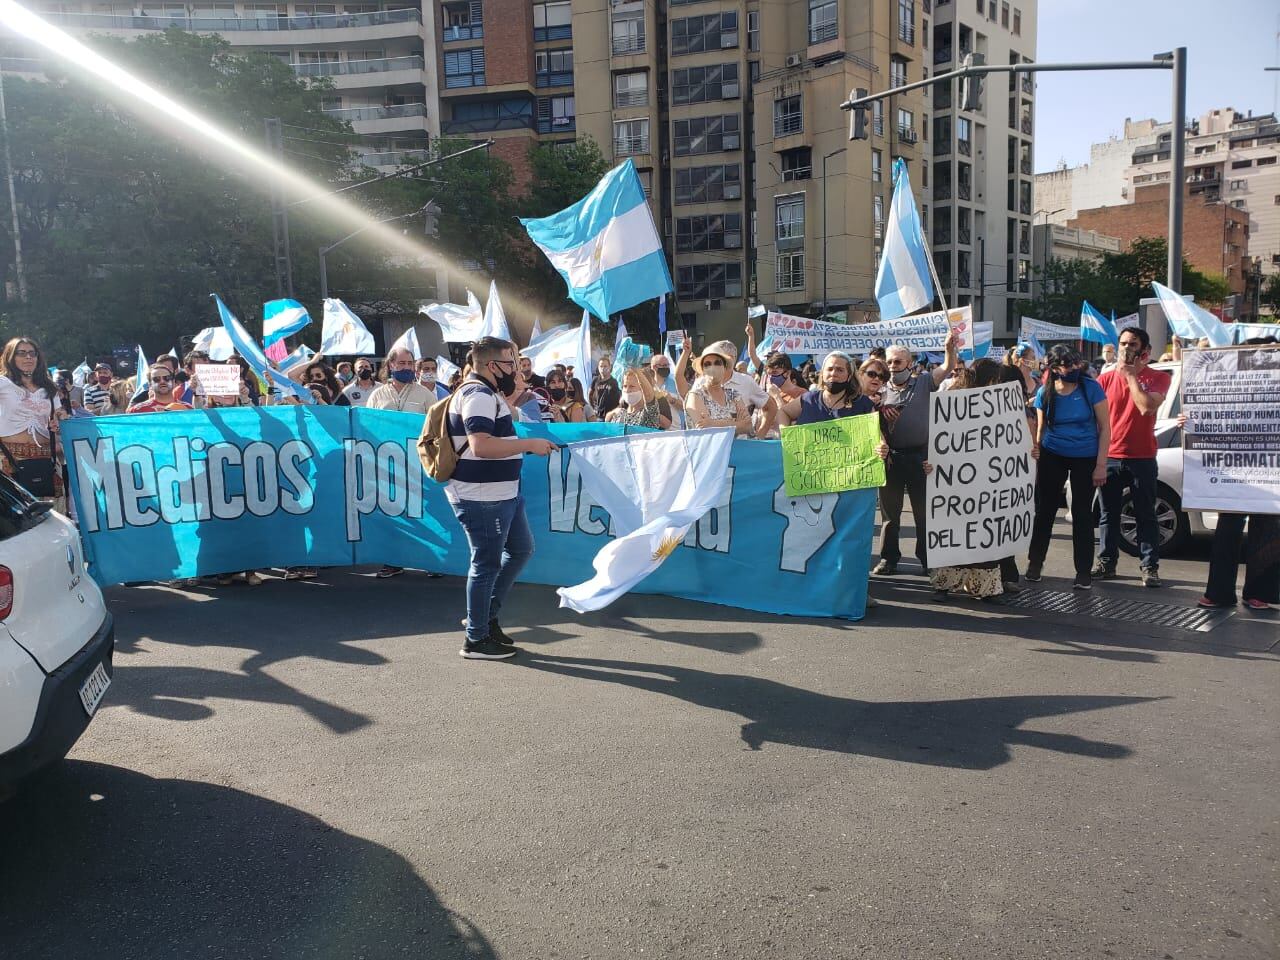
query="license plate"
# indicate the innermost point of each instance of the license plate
(91, 690)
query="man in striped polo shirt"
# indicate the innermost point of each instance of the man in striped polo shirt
(485, 492)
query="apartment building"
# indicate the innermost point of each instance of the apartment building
(379, 55)
(1098, 183)
(982, 204)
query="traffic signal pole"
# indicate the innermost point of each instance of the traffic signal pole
(1176, 61)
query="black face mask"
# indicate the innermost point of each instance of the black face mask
(557, 393)
(504, 381)
(364, 373)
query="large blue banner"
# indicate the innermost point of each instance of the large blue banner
(172, 495)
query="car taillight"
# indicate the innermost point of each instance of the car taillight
(6, 592)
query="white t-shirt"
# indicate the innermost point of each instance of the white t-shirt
(23, 411)
(358, 395)
(749, 390)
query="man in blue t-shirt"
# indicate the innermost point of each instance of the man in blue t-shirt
(484, 492)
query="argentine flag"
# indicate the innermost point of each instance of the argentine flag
(343, 332)
(248, 348)
(495, 318)
(457, 323)
(903, 284)
(282, 318)
(407, 341)
(655, 486)
(1189, 321)
(1096, 328)
(570, 346)
(301, 355)
(606, 246)
(983, 332)
(445, 369)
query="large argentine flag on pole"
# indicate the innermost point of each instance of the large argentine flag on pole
(282, 318)
(606, 246)
(248, 348)
(655, 486)
(903, 283)
(1189, 321)
(1096, 328)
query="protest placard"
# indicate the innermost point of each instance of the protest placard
(832, 456)
(918, 332)
(675, 338)
(981, 493)
(1047, 332)
(218, 379)
(1231, 443)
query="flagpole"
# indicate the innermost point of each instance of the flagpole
(933, 272)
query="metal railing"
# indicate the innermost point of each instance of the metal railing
(472, 31)
(393, 112)
(631, 98)
(626, 45)
(965, 147)
(630, 146)
(559, 32)
(487, 124)
(102, 21)
(394, 158)
(907, 33)
(554, 78)
(335, 68)
(963, 190)
(787, 124)
(822, 32)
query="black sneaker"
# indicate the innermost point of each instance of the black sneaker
(1151, 577)
(886, 568)
(486, 649)
(496, 634)
(1033, 573)
(1083, 583)
(1102, 570)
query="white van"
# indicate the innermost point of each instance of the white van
(56, 636)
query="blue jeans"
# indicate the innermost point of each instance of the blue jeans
(501, 544)
(1140, 477)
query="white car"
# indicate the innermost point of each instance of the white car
(56, 636)
(1177, 525)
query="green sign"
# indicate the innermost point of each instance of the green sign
(832, 456)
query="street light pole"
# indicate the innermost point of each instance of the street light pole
(1177, 187)
(429, 209)
(824, 226)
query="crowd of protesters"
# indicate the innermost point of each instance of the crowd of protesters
(1093, 430)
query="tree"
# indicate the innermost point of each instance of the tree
(1271, 292)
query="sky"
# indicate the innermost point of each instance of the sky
(1228, 42)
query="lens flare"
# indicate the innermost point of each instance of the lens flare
(153, 106)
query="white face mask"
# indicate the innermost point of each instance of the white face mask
(427, 377)
(634, 398)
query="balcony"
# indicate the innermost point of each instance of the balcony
(455, 32)
(357, 114)
(557, 124)
(630, 146)
(562, 31)
(1025, 165)
(787, 125)
(1028, 85)
(822, 32)
(625, 46)
(941, 237)
(561, 78)
(630, 98)
(1025, 125)
(1024, 245)
(963, 279)
(907, 33)
(964, 236)
(941, 146)
(964, 190)
(96, 21)
(487, 125)
(343, 68)
(941, 191)
(395, 158)
(965, 147)
(942, 55)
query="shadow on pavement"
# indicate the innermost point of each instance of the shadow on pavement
(970, 734)
(99, 861)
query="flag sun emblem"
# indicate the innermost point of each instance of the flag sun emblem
(667, 547)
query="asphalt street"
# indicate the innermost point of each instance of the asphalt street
(308, 769)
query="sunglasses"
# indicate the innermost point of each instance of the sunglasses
(875, 374)
(162, 379)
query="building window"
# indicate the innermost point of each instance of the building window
(460, 21)
(877, 216)
(906, 126)
(556, 115)
(627, 26)
(553, 68)
(1017, 22)
(705, 84)
(1004, 15)
(907, 21)
(877, 166)
(464, 68)
(822, 21)
(715, 231)
(877, 118)
(552, 21)
(709, 281)
(630, 137)
(964, 137)
(790, 271)
(753, 31)
(942, 226)
(1024, 198)
(716, 31)
(789, 221)
(707, 135)
(1241, 164)
(797, 164)
(1266, 161)
(897, 72)
(787, 116)
(706, 184)
(991, 11)
(631, 89)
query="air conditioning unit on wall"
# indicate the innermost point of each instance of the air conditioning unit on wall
(794, 59)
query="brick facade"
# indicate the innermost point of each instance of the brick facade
(515, 151)
(508, 42)
(1215, 236)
